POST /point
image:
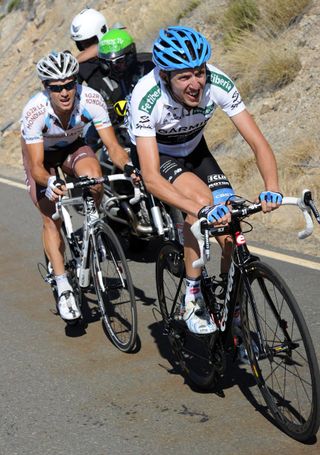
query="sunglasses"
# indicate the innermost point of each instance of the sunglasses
(59, 88)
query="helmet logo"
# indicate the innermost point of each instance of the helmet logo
(75, 29)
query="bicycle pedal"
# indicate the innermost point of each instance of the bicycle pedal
(49, 279)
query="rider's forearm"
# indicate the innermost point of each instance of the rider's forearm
(40, 174)
(118, 156)
(87, 54)
(267, 166)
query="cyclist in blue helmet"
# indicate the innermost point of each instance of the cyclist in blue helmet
(168, 111)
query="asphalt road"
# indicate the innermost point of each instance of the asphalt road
(69, 391)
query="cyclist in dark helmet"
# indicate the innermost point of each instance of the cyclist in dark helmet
(168, 111)
(123, 67)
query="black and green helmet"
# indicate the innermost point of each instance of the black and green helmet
(114, 44)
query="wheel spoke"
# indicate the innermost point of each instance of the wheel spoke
(289, 373)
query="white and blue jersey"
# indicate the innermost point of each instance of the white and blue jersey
(39, 123)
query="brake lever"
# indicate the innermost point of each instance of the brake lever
(308, 201)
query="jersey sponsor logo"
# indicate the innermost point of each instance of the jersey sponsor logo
(95, 98)
(179, 135)
(183, 129)
(220, 81)
(34, 113)
(236, 100)
(204, 111)
(143, 126)
(120, 107)
(149, 100)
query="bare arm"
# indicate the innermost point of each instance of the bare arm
(265, 158)
(35, 154)
(118, 155)
(156, 184)
(87, 54)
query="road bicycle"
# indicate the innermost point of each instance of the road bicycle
(94, 258)
(135, 213)
(276, 339)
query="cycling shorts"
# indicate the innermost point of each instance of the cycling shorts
(66, 158)
(201, 163)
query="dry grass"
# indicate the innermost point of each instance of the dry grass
(263, 63)
(220, 131)
(188, 9)
(241, 15)
(279, 15)
(299, 168)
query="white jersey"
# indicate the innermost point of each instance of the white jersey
(39, 123)
(154, 113)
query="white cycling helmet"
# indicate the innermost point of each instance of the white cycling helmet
(57, 66)
(89, 23)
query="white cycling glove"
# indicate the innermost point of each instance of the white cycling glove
(53, 183)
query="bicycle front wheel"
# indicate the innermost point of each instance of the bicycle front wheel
(281, 352)
(114, 288)
(195, 354)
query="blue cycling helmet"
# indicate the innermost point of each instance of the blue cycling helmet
(180, 48)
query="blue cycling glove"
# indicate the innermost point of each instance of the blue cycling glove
(271, 196)
(213, 212)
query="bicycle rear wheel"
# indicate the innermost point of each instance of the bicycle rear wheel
(285, 366)
(114, 288)
(194, 353)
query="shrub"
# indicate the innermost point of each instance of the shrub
(262, 64)
(189, 8)
(14, 4)
(278, 15)
(241, 15)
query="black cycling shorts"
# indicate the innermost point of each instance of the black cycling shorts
(201, 163)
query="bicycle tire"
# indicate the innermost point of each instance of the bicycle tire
(194, 353)
(285, 366)
(114, 288)
(70, 264)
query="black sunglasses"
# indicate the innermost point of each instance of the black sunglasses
(59, 88)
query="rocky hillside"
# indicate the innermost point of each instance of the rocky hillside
(288, 116)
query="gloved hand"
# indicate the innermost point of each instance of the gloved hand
(213, 213)
(130, 171)
(271, 196)
(54, 188)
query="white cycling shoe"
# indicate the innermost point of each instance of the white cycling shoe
(198, 319)
(67, 306)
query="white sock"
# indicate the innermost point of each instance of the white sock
(193, 290)
(62, 283)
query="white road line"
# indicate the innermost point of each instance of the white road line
(285, 258)
(13, 183)
(266, 253)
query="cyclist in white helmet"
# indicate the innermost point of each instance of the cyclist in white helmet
(52, 124)
(86, 29)
(168, 111)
